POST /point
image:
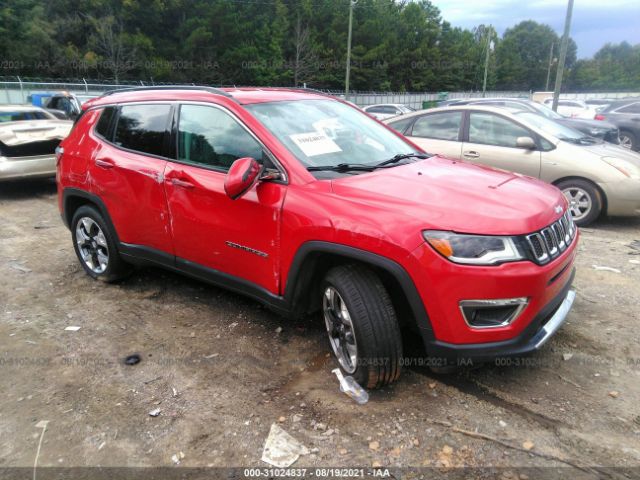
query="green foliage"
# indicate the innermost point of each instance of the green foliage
(397, 45)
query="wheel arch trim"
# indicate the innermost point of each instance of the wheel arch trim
(297, 282)
(69, 194)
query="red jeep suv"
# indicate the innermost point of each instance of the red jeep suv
(303, 202)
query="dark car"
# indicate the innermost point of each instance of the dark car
(624, 114)
(603, 130)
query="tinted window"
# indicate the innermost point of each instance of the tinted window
(102, 128)
(633, 108)
(209, 136)
(441, 126)
(401, 125)
(141, 128)
(491, 129)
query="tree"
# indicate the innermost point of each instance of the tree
(110, 42)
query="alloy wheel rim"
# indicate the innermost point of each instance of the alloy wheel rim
(92, 245)
(580, 203)
(625, 141)
(340, 329)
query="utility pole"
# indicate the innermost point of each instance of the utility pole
(563, 55)
(546, 88)
(486, 60)
(352, 3)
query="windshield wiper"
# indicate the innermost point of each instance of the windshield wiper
(400, 157)
(341, 167)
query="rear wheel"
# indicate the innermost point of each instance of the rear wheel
(95, 246)
(628, 140)
(585, 200)
(362, 325)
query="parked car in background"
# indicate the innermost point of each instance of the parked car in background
(604, 130)
(307, 204)
(28, 139)
(387, 110)
(598, 103)
(69, 104)
(625, 114)
(595, 177)
(573, 108)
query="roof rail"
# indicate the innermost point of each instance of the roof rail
(216, 91)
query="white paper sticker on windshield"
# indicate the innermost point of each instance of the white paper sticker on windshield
(315, 143)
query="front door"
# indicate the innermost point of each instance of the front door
(492, 141)
(236, 237)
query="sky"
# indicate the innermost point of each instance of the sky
(594, 22)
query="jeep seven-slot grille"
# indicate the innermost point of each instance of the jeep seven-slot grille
(551, 241)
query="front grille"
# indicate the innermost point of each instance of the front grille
(550, 242)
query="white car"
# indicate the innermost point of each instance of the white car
(387, 110)
(573, 108)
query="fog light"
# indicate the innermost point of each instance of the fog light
(492, 313)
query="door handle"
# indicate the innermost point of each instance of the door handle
(471, 154)
(104, 162)
(182, 183)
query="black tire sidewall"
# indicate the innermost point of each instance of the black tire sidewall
(593, 192)
(115, 265)
(386, 350)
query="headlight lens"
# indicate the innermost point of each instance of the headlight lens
(623, 166)
(473, 249)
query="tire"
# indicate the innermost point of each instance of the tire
(95, 246)
(373, 325)
(585, 200)
(628, 140)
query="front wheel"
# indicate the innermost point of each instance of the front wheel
(628, 140)
(585, 200)
(362, 326)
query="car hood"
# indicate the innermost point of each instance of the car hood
(28, 131)
(444, 194)
(587, 123)
(610, 150)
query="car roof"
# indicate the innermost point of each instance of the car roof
(20, 108)
(492, 99)
(243, 96)
(451, 108)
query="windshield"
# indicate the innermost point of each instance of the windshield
(329, 133)
(546, 111)
(552, 128)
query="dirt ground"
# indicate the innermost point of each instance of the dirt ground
(221, 373)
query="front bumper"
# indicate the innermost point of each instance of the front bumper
(27, 167)
(623, 197)
(544, 325)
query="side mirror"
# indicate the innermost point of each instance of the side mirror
(242, 175)
(525, 142)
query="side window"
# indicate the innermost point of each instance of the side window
(103, 127)
(491, 129)
(211, 137)
(440, 126)
(401, 125)
(142, 128)
(633, 108)
(376, 110)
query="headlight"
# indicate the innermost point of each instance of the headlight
(623, 166)
(473, 249)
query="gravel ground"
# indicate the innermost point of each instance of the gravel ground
(221, 372)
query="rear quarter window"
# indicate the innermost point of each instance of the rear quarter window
(103, 127)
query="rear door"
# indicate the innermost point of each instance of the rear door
(237, 237)
(491, 140)
(438, 132)
(127, 168)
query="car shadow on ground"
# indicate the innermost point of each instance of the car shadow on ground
(24, 189)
